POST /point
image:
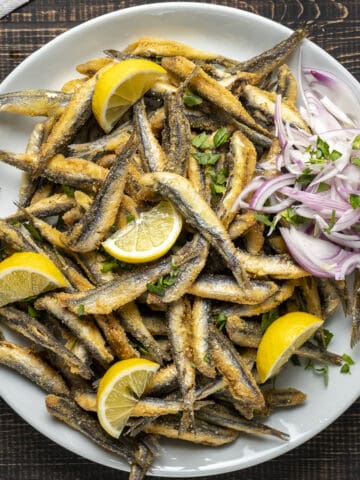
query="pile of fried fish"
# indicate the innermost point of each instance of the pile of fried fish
(197, 138)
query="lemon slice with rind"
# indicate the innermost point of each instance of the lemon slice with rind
(120, 390)
(120, 86)
(281, 339)
(26, 274)
(148, 237)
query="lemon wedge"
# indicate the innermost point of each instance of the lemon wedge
(25, 274)
(281, 339)
(119, 391)
(120, 86)
(147, 237)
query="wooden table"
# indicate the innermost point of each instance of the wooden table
(332, 455)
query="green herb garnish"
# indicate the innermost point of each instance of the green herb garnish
(109, 265)
(347, 359)
(69, 191)
(265, 219)
(356, 143)
(81, 310)
(206, 358)
(323, 187)
(33, 312)
(191, 99)
(345, 368)
(34, 232)
(220, 321)
(202, 141)
(206, 158)
(356, 161)
(331, 222)
(130, 218)
(158, 288)
(292, 217)
(328, 336)
(322, 371)
(221, 136)
(354, 200)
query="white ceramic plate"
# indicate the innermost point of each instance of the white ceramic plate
(236, 34)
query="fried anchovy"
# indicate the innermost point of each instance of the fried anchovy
(54, 205)
(145, 456)
(355, 311)
(243, 161)
(287, 84)
(241, 224)
(239, 379)
(198, 214)
(176, 133)
(254, 239)
(224, 288)
(92, 66)
(265, 102)
(155, 324)
(92, 264)
(284, 397)
(116, 336)
(187, 273)
(75, 115)
(210, 89)
(16, 239)
(164, 381)
(131, 320)
(214, 386)
(154, 407)
(277, 266)
(85, 399)
(35, 331)
(82, 328)
(2, 336)
(152, 155)
(200, 120)
(47, 231)
(285, 291)
(32, 366)
(97, 221)
(247, 409)
(153, 47)
(36, 103)
(225, 417)
(330, 299)
(269, 60)
(248, 333)
(200, 318)
(204, 433)
(125, 288)
(68, 412)
(28, 185)
(310, 294)
(75, 172)
(177, 316)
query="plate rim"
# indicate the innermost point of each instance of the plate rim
(202, 6)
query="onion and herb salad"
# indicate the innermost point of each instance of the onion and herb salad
(315, 198)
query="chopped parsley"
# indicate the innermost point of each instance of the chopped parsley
(292, 217)
(321, 371)
(354, 200)
(81, 310)
(306, 177)
(323, 187)
(356, 161)
(345, 368)
(331, 222)
(69, 191)
(221, 136)
(218, 179)
(265, 219)
(206, 358)
(220, 321)
(206, 158)
(130, 218)
(33, 312)
(356, 143)
(202, 141)
(191, 99)
(328, 336)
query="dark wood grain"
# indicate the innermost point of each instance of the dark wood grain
(332, 455)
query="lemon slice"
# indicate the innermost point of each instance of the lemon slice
(25, 274)
(119, 391)
(281, 339)
(148, 237)
(120, 86)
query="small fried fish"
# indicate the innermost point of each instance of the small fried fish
(36, 103)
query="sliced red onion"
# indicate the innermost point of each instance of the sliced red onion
(336, 112)
(240, 202)
(268, 188)
(338, 91)
(317, 256)
(347, 265)
(320, 119)
(312, 200)
(347, 220)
